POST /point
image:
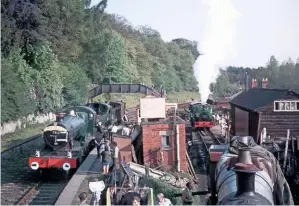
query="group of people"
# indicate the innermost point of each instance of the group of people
(107, 150)
(224, 123)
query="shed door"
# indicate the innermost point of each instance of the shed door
(241, 122)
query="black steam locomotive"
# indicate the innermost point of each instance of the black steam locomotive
(246, 174)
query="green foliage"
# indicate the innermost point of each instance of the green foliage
(106, 54)
(53, 48)
(160, 187)
(75, 83)
(280, 76)
(15, 99)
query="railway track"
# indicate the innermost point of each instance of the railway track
(16, 177)
(43, 193)
(208, 139)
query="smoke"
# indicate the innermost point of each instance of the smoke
(217, 45)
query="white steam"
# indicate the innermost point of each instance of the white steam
(217, 45)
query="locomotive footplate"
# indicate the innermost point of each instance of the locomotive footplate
(203, 124)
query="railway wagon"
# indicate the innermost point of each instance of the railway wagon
(201, 116)
(67, 141)
(246, 174)
(108, 113)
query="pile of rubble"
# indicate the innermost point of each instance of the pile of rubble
(175, 181)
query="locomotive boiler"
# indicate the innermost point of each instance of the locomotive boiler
(67, 140)
(247, 174)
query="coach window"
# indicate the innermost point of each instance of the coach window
(286, 106)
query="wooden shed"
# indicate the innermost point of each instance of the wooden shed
(274, 109)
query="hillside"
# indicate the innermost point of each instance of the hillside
(52, 50)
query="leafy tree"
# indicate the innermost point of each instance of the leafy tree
(75, 84)
(15, 96)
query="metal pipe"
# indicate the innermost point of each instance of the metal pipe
(178, 148)
(286, 151)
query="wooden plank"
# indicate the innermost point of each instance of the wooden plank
(190, 165)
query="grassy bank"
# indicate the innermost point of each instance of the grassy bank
(11, 139)
(133, 99)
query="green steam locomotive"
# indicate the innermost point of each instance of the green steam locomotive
(201, 115)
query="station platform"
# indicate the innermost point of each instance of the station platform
(216, 130)
(90, 168)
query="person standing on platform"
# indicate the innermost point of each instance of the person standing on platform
(116, 153)
(107, 160)
(187, 198)
(125, 131)
(113, 130)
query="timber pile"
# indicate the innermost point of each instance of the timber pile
(163, 176)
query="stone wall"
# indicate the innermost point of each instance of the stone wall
(13, 126)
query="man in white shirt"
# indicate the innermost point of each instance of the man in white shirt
(125, 131)
(114, 129)
(162, 200)
(116, 153)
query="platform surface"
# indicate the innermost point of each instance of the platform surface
(90, 168)
(216, 130)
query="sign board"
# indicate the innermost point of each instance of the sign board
(171, 105)
(152, 107)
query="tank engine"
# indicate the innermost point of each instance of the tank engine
(246, 174)
(67, 140)
(201, 115)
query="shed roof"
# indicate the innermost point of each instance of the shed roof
(255, 98)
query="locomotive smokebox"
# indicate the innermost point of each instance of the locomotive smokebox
(245, 172)
(59, 116)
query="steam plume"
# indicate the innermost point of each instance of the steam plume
(217, 44)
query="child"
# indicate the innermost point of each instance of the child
(83, 198)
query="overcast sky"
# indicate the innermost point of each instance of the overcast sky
(265, 27)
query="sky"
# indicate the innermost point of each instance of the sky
(263, 28)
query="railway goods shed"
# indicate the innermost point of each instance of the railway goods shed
(274, 109)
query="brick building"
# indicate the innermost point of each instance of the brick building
(125, 148)
(159, 140)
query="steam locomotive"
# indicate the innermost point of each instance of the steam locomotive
(201, 115)
(67, 140)
(246, 174)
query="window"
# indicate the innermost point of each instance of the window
(165, 141)
(286, 106)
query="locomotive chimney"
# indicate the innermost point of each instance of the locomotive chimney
(59, 116)
(245, 172)
(265, 83)
(253, 83)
